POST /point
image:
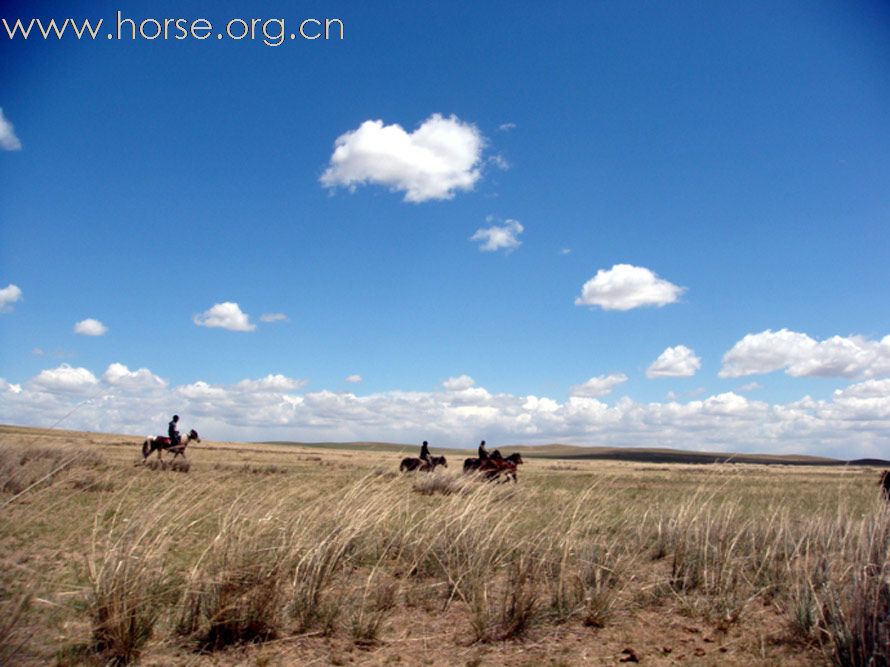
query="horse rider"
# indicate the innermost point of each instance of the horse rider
(173, 431)
(483, 453)
(425, 453)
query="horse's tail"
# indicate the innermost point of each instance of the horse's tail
(403, 466)
(146, 447)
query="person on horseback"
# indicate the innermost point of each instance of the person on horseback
(173, 431)
(425, 452)
(483, 453)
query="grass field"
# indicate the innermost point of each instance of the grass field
(273, 554)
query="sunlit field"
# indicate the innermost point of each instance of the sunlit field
(276, 554)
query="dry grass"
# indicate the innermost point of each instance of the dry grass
(128, 576)
(13, 633)
(264, 544)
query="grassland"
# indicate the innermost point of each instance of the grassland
(274, 554)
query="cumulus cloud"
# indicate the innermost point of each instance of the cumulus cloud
(602, 385)
(625, 286)
(458, 383)
(66, 379)
(854, 422)
(8, 140)
(90, 327)
(499, 237)
(118, 375)
(799, 355)
(272, 382)
(463, 394)
(439, 158)
(354, 379)
(9, 295)
(226, 315)
(678, 361)
(273, 317)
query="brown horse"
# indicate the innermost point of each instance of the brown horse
(473, 464)
(495, 466)
(160, 443)
(885, 484)
(411, 463)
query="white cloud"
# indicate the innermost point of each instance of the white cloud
(535, 404)
(226, 315)
(272, 382)
(65, 378)
(625, 286)
(458, 383)
(354, 379)
(677, 361)
(601, 385)
(499, 237)
(8, 140)
(11, 388)
(9, 295)
(440, 157)
(506, 127)
(750, 386)
(118, 375)
(802, 356)
(464, 396)
(854, 422)
(499, 161)
(273, 317)
(565, 251)
(90, 327)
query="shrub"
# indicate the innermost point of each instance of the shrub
(440, 482)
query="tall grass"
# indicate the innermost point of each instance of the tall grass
(505, 561)
(128, 576)
(13, 633)
(852, 590)
(234, 590)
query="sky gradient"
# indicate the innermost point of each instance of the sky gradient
(635, 224)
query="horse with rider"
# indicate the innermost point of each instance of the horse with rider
(492, 465)
(424, 463)
(172, 443)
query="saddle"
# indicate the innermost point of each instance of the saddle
(164, 442)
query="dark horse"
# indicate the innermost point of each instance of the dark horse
(159, 443)
(410, 463)
(495, 466)
(885, 484)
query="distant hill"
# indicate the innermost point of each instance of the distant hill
(575, 452)
(549, 451)
(374, 446)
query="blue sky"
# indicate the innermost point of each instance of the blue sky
(724, 166)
